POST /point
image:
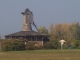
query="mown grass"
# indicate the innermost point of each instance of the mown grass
(41, 55)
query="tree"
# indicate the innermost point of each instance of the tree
(58, 31)
(74, 31)
(77, 34)
(43, 30)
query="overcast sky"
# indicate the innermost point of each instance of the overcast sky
(45, 12)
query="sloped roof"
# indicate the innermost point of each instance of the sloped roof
(27, 33)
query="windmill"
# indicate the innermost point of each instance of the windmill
(28, 20)
(27, 33)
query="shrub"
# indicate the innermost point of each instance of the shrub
(39, 47)
(53, 44)
(12, 45)
(76, 44)
(65, 46)
(30, 46)
(48, 45)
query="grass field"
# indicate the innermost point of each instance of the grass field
(41, 55)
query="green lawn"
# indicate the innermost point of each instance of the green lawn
(41, 55)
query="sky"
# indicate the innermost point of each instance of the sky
(45, 12)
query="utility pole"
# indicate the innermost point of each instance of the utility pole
(0, 43)
(0, 37)
(0, 46)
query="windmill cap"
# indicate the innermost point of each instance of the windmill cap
(27, 10)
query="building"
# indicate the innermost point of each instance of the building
(27, 33)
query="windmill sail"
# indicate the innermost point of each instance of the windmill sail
(35, 26)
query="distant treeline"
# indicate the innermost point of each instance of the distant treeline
(64, 31)
(69, 32)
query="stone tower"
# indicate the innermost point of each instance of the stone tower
(27, 20)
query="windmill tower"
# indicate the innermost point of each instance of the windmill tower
(28, 20)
